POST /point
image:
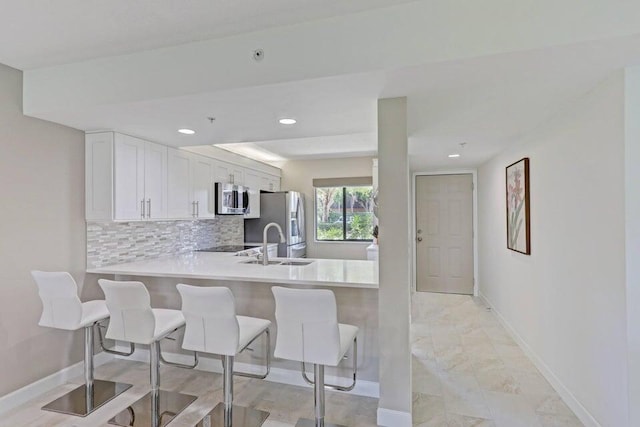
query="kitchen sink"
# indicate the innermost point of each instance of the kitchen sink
(296, 262)
(255, 261)
(278, 262)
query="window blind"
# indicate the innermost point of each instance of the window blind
(354, 181)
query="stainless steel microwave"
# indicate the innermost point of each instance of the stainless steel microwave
(231, 199)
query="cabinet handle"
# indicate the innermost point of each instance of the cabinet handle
(193, 209)
(142, 209)
(231, 178)
(149, 208)
(198, 209)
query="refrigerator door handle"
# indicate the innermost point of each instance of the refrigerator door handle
(298, 217)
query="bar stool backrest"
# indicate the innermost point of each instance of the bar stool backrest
(307, 322)
(132, 318)
(211, 323)
(61, 307)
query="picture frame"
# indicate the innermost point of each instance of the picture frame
(518, 206)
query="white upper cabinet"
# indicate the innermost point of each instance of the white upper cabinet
(237, 175)
(252, 180)
(127, 178)
(180, 203)
(191, 192)
(140, 179)
(203, 186)
(155, 180)
(129, 198)
(227, 173)
(274, 182)
(99, 176)
(269, 183)
(222, 172)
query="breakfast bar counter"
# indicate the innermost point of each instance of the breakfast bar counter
(228, 267)
(354, 283)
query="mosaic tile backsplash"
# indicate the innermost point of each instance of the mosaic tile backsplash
(111, 243)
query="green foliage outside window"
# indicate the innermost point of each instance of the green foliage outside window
(344, 213)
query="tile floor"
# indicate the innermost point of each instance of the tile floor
(285, 403)
(467, 371)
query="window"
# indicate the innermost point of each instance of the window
(344, 213)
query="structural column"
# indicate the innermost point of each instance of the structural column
(632, 236)
(394, 296)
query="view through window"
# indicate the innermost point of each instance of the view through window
(344, 213)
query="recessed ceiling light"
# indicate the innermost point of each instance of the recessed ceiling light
(187, 131)
(453, 156)
(287, 121)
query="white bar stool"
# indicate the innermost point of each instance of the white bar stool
(213, 327)
(134, 321)
(309, 332)
(62, 309)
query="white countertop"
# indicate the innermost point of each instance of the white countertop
(226, 266)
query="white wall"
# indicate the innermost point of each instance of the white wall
(632, 196)
(567, 300)
(298, 175)
(41, 227)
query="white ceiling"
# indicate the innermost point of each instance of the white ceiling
(43, 33)
(275, 152)
(486, 102)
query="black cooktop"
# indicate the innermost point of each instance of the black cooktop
(227, 248)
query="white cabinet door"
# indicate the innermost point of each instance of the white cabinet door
(129, 178)
(264, 183)
(203, 191)
(229, 174)
(155, 180)
(274, 183)
(237, 174)
(270, 183)
(99, 176)
(179, 199)
(252, 180)
(223, 172)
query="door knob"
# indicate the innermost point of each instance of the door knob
(419, 231)
(419, 239)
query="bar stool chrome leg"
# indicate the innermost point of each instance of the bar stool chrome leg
(93, 393)
(318, 401)
(158, 407)
(227, 386)
(318, 394)
(226, 414)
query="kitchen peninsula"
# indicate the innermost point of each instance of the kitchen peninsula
(354, 282)
(332, 273)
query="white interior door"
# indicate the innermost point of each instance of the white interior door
(444, 233)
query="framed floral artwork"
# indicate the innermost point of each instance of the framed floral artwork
(518, 221)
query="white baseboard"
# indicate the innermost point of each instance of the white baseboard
(28, 392)
(391, 418)
(276, 375)
(581, 412)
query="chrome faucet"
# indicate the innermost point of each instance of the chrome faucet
(265, 253)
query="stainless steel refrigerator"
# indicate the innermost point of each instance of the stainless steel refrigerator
(285, 208)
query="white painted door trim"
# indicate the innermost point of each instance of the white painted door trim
(474, 174)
